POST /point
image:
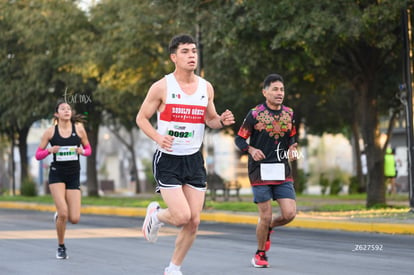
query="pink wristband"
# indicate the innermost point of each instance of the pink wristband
(41, 153)
(87, 150)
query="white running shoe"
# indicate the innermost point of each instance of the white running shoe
(151, 227)
(174, 272)
(55, 217)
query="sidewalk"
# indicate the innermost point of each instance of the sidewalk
(393, 221)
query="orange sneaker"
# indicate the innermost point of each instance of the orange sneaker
(260, 260)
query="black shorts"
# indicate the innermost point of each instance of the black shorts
(68, 175)
(171, 171)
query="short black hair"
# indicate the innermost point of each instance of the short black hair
(270, 79)
(180, 39)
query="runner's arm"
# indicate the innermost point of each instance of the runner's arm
(214, 120)
(152, 102)
(42, 152)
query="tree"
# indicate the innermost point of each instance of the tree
(135, 59)
(362, 49)
(236, 55)
(34, 75)
(354, 43)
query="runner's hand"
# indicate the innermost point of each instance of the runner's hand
(54, 149)
(165, 142)
(256, 154)
(227, 118)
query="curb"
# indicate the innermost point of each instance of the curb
(302, 220)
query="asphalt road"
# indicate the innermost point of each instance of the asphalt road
(114, 245)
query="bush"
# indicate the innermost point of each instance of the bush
(336, 186)
(353, 185)
(300, 181)
(28, 188)
(324, 183)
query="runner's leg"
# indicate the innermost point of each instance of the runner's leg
(58, 191)
(177, 212)
(262, 229)
(287, 212)
(184, 207)
(73, 198)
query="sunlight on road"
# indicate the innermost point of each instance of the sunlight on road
(90, 233)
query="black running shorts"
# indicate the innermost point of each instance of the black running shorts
(171, 171)
(68, 175)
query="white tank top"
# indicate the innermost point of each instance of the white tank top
(183, 117)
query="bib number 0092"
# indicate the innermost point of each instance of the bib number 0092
(180, 134)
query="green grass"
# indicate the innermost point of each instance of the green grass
(312, 202)
(95, 201)
(341, 207)
(245, 206)
(397, 197)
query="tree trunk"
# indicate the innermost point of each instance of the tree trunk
(294, 164)
(13, 163)
(376, 186)
(358, 155)
(391, 123)
(24, 163)
(92, 176)
(131, 148)
(371, 136)
(134, 171)
(4, 173)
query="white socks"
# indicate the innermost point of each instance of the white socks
(173, 267)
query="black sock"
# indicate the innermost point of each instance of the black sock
(258, 251)
(268, 233)
(62, 245)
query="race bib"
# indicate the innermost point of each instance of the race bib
(181, 136)
(67, 153)
(272, 171)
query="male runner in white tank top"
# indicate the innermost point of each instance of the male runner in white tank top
(184, 104)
